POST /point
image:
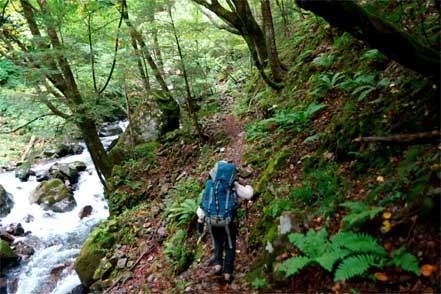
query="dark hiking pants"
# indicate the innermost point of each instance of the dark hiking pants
(221, 243)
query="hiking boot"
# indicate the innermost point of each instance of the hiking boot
(228, 278)
(217, 270)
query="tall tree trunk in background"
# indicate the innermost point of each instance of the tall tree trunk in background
(154, 34)
(240, 17)
(60, 74)
(166, 102)
(270, 38)
(397, 45)
(190, 101)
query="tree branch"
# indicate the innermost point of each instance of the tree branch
(115, 52)
(377, 32)
(26, 124)
(224, 26)
(425, 137)
(92, 57)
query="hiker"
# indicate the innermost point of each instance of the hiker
(218, 210)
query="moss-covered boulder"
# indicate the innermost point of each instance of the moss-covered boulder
(6, 202)
(274, 166)
(23, 171)
(53, 195)
(64, 172)
(93, 251)
(7, 255)
(77, 165)
(63, 150)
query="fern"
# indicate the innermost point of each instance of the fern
(360, 243)
(314, 244)
(185, 211)
(359, 213)
(292, 265)
(328, 259)
(353, 266)
(405, 260)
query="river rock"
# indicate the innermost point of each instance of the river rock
(16, 230)
(80, 289)
(6, 236)
(64, 172)
(42, 175)
(110, 130)
(6, 202)
(53, 195)
(63, 150)
(23, 250)
(77, 165)
(23, 171)
(7, 255)
(85, 211)
(91, 254)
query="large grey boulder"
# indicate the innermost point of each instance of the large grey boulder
(64, 171)
(6, 202)
(147, 123)
(53, 195)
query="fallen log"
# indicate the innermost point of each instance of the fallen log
(424, 137)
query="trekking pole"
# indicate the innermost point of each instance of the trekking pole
(247, 227)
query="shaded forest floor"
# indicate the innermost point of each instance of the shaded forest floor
(150, 271)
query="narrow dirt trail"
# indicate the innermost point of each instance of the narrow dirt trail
(199, 277)
(148, 275)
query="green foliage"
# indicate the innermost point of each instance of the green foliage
(318, 187)
(323, 60)
(355, 253)
(285, 121)
(405, 260)
(359, 213)
(323, 82)
(176, 252)
(184, 212)
(258, 283)
(354, 266)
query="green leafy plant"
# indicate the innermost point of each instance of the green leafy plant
(359, 212)
(324, 83)
(258, 283)
(284, 121)
(353, 253)
(323, 60)
(185, 211)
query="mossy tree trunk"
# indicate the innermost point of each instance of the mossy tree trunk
(377, 32)
(59, 73)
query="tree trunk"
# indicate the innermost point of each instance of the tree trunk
(190, 102)
(62, 77)
(274, 62)
(241, 19)
(166, 102)
(397, 45)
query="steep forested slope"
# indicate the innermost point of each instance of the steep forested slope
(342, 151)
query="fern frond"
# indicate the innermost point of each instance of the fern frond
(313, 244)
(292, 265)
(405, 260)
(328, 259)
(353, 266)
(357, 243)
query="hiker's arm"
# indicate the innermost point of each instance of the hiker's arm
(244, 192)
(201, 214)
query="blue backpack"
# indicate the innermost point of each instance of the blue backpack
(220, 200)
